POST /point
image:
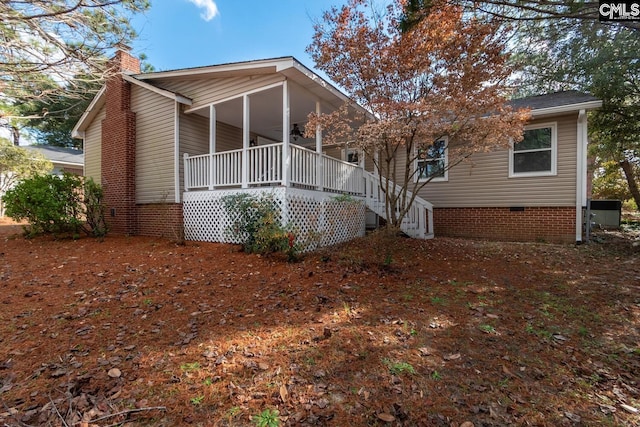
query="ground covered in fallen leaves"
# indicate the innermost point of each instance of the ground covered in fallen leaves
(380, 331)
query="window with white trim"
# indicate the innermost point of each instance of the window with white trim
(432, 162)
(352, 155)
(536, 154)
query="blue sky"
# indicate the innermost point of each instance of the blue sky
(190, 33)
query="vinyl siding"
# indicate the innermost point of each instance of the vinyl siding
(194, 134)
(194, 138)
(483, 180)
(333, 151)
(208, 91)
(154, 146)
(228, 137)
(92, 147)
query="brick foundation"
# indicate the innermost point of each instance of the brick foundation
(161, 220)
(549, 224)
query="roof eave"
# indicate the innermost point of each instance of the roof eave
(163, 92)
(89, 114)
(268, 64)
(589, 105)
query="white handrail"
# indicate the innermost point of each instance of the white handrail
(265, 167)
(418, 221)
(265, 164)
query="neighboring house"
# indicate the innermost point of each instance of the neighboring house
(63, 159)
(168, 146)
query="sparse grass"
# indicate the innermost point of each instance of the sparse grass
(398, 368)
(436, 300)
(190, 367)
(487, 329)
(267, 418)
(197, 400)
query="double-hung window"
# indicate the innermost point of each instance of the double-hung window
(432, 162)
(536, 154)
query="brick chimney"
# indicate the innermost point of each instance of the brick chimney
(119, 146)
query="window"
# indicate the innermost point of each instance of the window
(535, 155)
(352, 155)
(432, 162)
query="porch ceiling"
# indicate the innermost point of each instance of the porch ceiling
(266, 111)
(305, 89)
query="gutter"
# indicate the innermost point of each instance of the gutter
(566, 108)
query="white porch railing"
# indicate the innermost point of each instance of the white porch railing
(417, 223)
(265, 166)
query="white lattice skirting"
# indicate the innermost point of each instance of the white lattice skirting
(320, 219)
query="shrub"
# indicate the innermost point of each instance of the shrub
(57, 204)
(94, 208)
(256, 222)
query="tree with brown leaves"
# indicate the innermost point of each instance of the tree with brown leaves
(442, 79)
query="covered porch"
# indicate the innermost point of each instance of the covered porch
(255, 138)
(256, 145)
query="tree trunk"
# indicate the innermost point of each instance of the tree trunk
(627, 167)
(15, 133)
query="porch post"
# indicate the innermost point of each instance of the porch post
(319, 162)
(245, 140)
(285, 134)
(212, 144)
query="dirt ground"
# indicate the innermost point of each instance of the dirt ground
(380, 331)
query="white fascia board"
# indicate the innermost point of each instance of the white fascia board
(320, 81)
(88, 115)
(590, 105)
(259, 65)
(329, 87)
(167, 94)
(57, 162)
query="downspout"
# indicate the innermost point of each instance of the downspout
(176, 152)
(581, 174)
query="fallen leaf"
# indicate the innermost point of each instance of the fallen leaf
(454, 356)
(507, 371)
(387, 417)
(284, 394)
(573, 417)
(424, 351)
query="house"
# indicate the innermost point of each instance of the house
(535, 191)
(168, 146)
(64, 159)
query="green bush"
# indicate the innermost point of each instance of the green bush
(256, 222)
(57, 204)
(94, 208)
